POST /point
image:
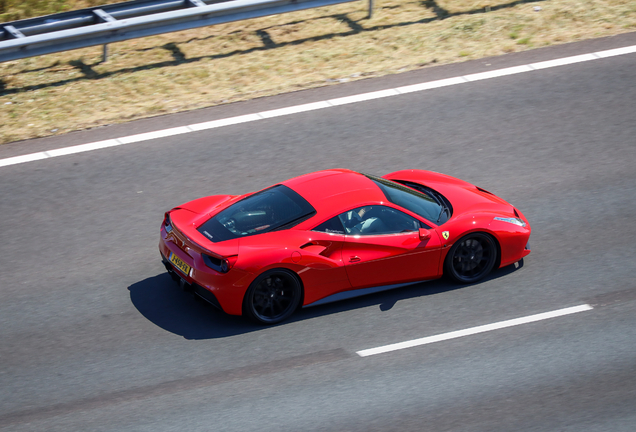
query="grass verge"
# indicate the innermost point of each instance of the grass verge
(58, 93)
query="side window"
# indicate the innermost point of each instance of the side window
(373, 220)
(332, 226)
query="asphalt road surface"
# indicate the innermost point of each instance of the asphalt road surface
(95, 336)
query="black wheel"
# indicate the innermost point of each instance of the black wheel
(273, 296)
(471, 258)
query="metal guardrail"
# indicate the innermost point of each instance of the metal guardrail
(134, 19)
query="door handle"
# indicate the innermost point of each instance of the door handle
(354, 259)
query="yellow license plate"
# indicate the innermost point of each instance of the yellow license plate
(178, 263)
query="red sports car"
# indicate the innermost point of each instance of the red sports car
(336, 234)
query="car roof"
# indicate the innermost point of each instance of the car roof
(336, 190)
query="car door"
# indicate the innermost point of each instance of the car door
(321, 255)
(383, 247)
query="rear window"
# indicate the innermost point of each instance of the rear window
(275, 208)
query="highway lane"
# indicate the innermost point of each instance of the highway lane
(94, 335)
(563, 376)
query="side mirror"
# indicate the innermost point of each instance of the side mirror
(424, 234)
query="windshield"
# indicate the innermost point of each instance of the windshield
(419, 203)
(278, 207)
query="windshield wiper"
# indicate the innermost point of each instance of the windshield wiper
(444, 210)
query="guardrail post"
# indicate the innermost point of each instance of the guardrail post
(370, 9)
(104, 17)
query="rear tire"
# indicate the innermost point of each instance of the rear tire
(471, 258)
(272, 297)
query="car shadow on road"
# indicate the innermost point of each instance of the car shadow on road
(164, 304)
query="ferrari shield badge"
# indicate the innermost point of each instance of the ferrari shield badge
(445, 234)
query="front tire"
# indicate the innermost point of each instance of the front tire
(471, 258)
(272, 297)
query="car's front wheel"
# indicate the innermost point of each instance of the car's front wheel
(471, 258)
(273, 296)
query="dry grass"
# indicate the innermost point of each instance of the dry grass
(58, 93)
(13, 10)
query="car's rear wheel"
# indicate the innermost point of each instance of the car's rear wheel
(471, 258)
(273, 296)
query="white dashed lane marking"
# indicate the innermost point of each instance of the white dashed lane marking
(473, 330)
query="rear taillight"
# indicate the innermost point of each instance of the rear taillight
(167, 223)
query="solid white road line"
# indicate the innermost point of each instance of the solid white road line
(82, 148)
(295, 109)
(154, 135)
(225, 122)
(473, 330)
(430, 85)
(363, 97)
(498, 73)
(317, 105)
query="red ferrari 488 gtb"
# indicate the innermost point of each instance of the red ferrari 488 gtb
(336, 234)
